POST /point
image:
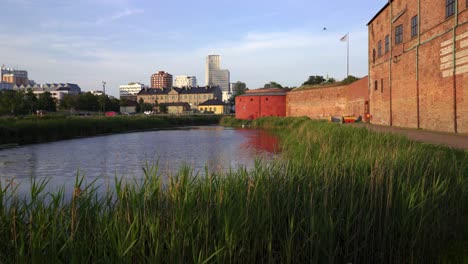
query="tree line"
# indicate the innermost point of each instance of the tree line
(13, 102)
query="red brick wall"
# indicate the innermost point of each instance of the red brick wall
(419, 85)
(254, 106)
(322, 103)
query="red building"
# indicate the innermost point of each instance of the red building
(260, 103)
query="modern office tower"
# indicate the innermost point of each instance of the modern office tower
(161, 80)
(215, 76)
(185, 81)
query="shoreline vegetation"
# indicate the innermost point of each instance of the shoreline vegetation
(34, 129)
(339, 194)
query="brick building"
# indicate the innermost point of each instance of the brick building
(323, 102)
(261, 102)
(161, 80)
(418, 65)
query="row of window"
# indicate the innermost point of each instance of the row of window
(183, 97)
(376, 85)
(449, 11)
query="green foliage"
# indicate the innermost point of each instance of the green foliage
(349, 79)
(43, 129)
(338, 194)
(315, 80)
(273, 85)
(162, 109)
(239, 88)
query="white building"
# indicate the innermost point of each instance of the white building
(96, 92)
(185, 81)
(214, 75)
(132, 88)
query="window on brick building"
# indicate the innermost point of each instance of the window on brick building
(414, 26)
(449, 8)
(387, 43)
(399, 34)
(381, 85)
(376, 84)
(373, 56)
(379, 48)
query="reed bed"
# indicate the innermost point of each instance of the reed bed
(338, 195)
(43, 129)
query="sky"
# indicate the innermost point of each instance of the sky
(121, 41)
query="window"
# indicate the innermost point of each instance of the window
(375, 85)
(379, 48)
(373, 56)
(387, 43)
(381, 85)
(449, 8)
(414, 26)
(266, 99)
(399, 34)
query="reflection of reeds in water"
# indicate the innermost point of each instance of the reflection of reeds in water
(343, 195)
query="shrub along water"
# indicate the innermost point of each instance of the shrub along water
(43, 129)
(338, 195)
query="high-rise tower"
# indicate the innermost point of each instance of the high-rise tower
(214, 75)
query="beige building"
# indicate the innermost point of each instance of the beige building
(193, 96)
(214, 106)
(176, 108)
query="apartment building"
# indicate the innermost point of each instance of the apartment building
(191, 95)
(161, 80)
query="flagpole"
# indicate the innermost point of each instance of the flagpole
(347, 69)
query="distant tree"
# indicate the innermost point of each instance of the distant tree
(315, 80)
(162, 109)
(114, 105)
(46, 102)
(238, 88)
(349, 79)
(273, 85)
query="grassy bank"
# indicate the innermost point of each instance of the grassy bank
(43, 129)
(340, 195)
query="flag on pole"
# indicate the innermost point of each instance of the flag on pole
(344, 38)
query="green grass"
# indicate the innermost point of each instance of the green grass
(43, 129)
(338, 195)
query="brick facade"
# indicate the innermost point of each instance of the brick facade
(414, 83)
(324, 102)
(260, 103)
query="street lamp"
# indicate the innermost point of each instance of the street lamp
(104, 91)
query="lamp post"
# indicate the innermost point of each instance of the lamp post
(104, 91)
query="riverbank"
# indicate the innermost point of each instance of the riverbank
(339, 195)
(39, 129)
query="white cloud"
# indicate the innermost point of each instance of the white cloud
(119, 15)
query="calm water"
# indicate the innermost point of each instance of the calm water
(124, 155)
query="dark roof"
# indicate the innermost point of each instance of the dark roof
(193, 90)
(213, 102)
(197, 90)
(378, 13)
(151, 91)
(266, 91)
(175, 104)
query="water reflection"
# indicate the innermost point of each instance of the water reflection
(124, 155)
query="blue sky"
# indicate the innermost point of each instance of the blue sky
(121, 41)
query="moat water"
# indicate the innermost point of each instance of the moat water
(102, 158)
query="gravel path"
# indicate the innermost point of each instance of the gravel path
(440, 138)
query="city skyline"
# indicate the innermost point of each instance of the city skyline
(120, 42)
